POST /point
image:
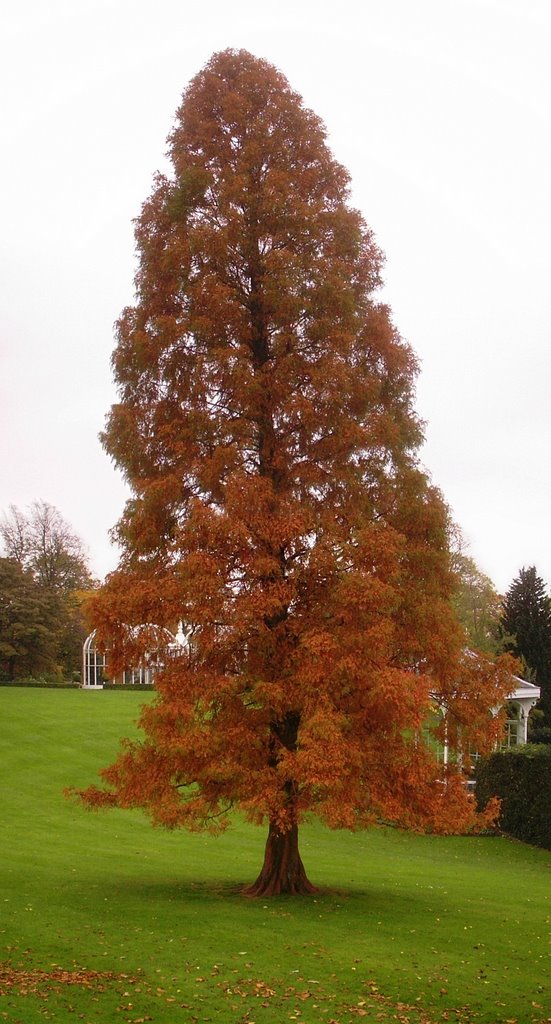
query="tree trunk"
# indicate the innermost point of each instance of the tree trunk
(283, 870)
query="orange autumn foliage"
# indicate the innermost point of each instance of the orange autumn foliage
(266, 426)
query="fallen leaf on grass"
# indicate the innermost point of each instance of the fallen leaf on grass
(31, 982)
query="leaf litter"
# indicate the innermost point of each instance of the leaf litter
(38, 982)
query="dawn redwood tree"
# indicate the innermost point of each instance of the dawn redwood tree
(265, 425)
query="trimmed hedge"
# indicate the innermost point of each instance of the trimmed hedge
(521, 777)
(141, 687)
(42, 684)
(51, 684)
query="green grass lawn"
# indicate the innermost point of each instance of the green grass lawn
(103, 918)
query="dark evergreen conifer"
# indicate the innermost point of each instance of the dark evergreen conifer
(526, 629)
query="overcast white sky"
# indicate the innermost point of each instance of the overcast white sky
(440, 109)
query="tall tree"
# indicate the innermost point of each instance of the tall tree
(50, 553)
(42, 542)
(28, 638)
(477, 604)
(526, 628)
(266, 427)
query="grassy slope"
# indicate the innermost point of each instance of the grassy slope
(458, 928)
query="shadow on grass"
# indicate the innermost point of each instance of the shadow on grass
(372, 901)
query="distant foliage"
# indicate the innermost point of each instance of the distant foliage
(44, 578)
(521, 778)
(477, 604)
(28, 641)
(43, 544)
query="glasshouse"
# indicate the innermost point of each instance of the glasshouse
(519, 704)
(95, 673)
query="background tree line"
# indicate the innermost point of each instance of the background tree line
(44, 576)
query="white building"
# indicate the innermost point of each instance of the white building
(95, 662)
(521, 702)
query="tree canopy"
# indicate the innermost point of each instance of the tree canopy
(27, 623)
(43, 543)
(476, 602)
(49, 566)
(265, 424)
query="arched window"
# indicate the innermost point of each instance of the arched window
(93, 664)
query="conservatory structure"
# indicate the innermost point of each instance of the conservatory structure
(519, 704)
(94, 659)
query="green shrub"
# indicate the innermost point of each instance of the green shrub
(142, 687)
(521, 777)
